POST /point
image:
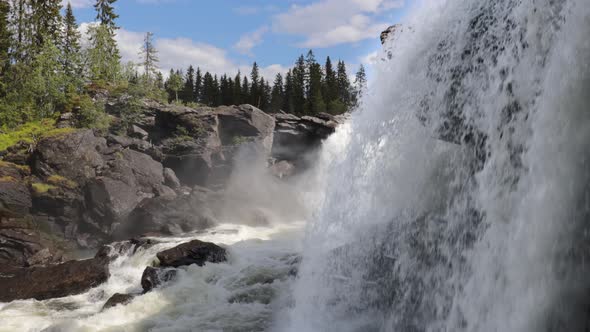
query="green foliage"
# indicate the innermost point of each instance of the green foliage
(90, 114)
(31, 132)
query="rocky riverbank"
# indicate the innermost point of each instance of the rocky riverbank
(165, 175)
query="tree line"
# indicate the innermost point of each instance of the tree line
(45, 71)
(306, 89)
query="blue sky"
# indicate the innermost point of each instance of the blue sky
(227, 35)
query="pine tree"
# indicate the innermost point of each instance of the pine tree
(149, 58)
(71, 56)
(276, 95)
(310, 63)
(255, 91)
(198, 85)
(188, 92)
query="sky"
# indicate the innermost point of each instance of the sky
(224, 36)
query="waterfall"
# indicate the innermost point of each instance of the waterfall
(462, 199)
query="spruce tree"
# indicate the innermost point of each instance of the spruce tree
(198, 85)
(298, 86)
(344, 88)
(330, 90)
(71, 56)
(360, 84)
(237, 89)
(22, 31)
(245, 90)
(149, 58)
(45, 22)
(4, 44)
(188, 92)
(208, 95)
(276, 95)
(105, 14)
(288, 97)
(255, 90)
(103, 54)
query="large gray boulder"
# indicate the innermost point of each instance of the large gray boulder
(73, 155)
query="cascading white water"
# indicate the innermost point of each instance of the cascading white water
(457, 198)
(463, 200)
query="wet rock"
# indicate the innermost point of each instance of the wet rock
(118, 299)
(21, 245)
(282, 169)
(295, 138)
(41, 283)
(170, 178)
(154, 277)
(194, 252)
(170, 215)
(390, 31)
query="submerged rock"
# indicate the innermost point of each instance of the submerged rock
(194, 252)
(42, 283)
(117, 299)
(154, 277)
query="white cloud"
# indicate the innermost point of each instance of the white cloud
(327, 23)
(248, 41)
(179, 53)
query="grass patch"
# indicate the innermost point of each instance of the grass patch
(7, 179)
(42, 188)
(23, 168)
(31, 132)
(62, 181)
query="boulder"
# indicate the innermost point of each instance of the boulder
(170, 178)
(136, 132)
(199, 144)
(390, 31)
(154, 277)
(41, 283)
(21, 245)
(194, 252)
(15, 199)
(118, 299)
(73, 155)
(296, 137)
(169, 216)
